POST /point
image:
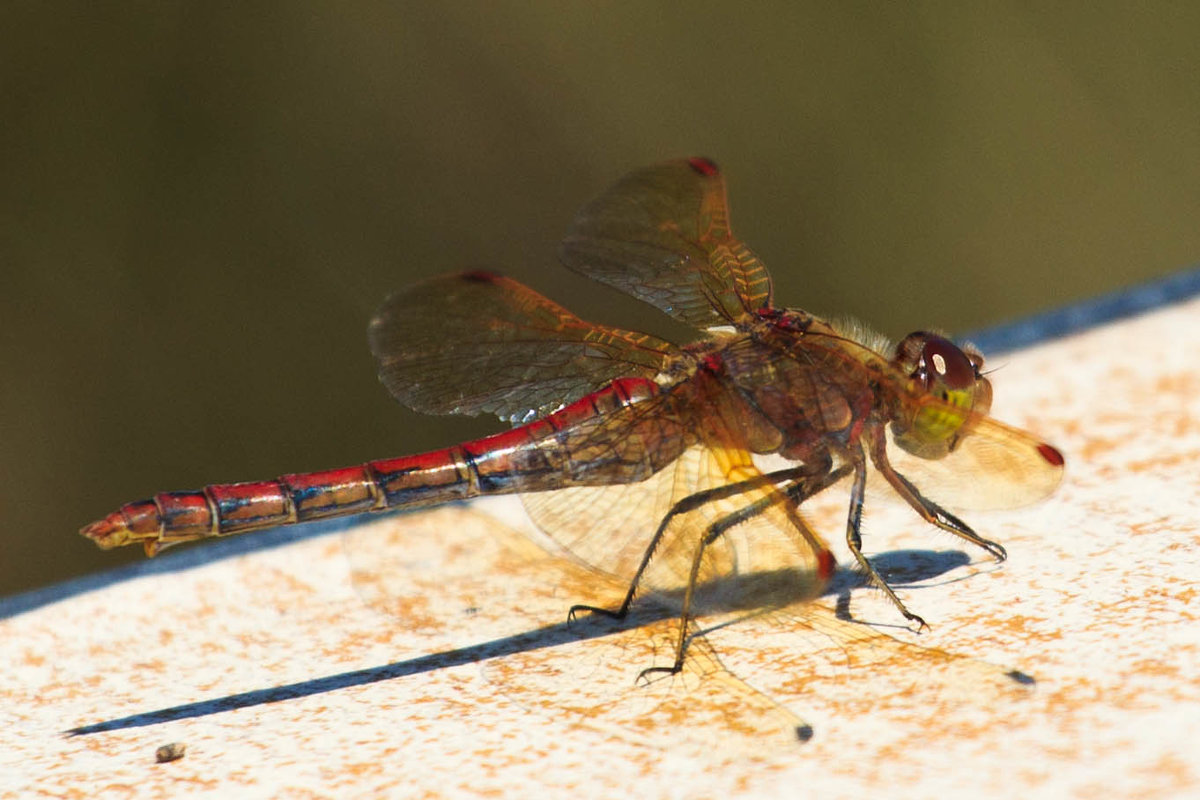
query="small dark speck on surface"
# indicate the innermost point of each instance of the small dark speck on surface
(1023, 678)
(170, 752)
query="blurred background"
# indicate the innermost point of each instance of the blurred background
(201, 204)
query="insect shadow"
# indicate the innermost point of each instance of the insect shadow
(743, 593)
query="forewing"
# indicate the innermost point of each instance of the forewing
(994, 466)
(477, 342)
(662, 235)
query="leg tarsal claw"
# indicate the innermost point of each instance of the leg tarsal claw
(576, 610)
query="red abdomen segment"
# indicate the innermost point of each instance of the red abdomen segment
(599, 439)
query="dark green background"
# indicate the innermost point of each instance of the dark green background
(201, 204)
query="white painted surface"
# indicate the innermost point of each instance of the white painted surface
(1097, 602)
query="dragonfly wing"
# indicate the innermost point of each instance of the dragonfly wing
(662, 235)
(477, 342)
(609, 528)
(994, 466)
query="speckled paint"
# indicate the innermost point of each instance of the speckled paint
(427, 654)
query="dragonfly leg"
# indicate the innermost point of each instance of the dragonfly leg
(711, 534)
(798, 486)
(797, 475)
(930, 511)
(854, 540)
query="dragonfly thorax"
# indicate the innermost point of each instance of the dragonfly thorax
(804, 389)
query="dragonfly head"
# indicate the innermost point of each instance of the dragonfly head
(948, 390)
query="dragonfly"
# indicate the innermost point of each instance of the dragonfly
(641, 457)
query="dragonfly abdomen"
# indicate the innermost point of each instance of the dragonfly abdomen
(548, 453)
(533, 457)
(225, 509)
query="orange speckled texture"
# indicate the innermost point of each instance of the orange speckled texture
(427, 654)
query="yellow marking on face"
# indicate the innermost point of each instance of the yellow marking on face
(937, 423)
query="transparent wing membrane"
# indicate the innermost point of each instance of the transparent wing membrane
(662, 235)
(478, 342)
(995, 466)
(609, 528)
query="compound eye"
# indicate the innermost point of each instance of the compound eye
(949, 394)
(976, 359)
(943, 362)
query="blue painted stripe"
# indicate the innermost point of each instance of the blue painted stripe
(1086, 313)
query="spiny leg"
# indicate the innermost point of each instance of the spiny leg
(711, 534)
(930, 511)
(801, 490)
(798, 475)
(795, 491)
(854, 540)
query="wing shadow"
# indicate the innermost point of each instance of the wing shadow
(911, 565)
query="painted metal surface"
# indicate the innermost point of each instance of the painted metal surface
(428, 654)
